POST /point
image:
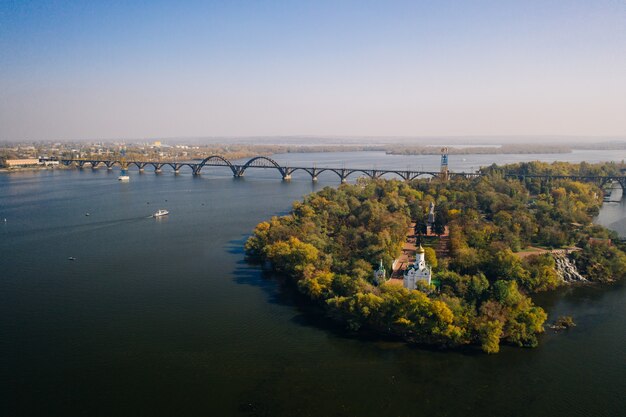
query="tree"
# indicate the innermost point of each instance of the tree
(316, 284)
(431, 257)
(438, 228)
(489, 333)
(421, 228)
(292, 256)
(542, 273)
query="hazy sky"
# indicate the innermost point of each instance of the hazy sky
(123, 69)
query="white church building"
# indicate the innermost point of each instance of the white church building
(419, 271)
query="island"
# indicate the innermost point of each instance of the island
(449, 262)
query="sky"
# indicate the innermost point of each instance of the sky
(72, 70)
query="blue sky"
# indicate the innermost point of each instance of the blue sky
(122, 69)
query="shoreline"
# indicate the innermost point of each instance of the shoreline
(31, 169)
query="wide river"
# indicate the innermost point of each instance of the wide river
(163, 317)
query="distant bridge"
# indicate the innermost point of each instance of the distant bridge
(600, 180)
(263, 162)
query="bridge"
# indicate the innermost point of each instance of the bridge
(264, 162)
(600, 180)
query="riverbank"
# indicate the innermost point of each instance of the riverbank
(33, 169)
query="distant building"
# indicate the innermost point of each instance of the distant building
(48, 160)
(17, 163)
(380, 275)
(419, 271)
(599, 241)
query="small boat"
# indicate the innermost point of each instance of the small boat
(123, 178)
(161, 212)
(87, 214)
(71, 258)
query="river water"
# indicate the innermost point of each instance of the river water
(162, 317)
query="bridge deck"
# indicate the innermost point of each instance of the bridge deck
(343, 173)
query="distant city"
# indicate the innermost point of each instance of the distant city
(29, 154)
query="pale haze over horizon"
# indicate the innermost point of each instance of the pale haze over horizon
(72, 70)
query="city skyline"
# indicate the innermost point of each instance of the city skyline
(402, 69)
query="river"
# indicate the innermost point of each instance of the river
(163, 317)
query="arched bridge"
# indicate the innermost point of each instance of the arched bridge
(264, 162)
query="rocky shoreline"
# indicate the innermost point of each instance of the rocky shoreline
(567, 270)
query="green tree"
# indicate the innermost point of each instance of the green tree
(431, 257)
(489, 335)
(439, 228)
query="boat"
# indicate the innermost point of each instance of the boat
(123, 178)
(161, 212)
(71, 258)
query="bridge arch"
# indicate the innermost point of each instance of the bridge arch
(138, 164)
(402, 175)
(612, 181)
(262, 159)
(313, 172)
(225, 161)
(186, 165)
(419, 174)
(366, 172)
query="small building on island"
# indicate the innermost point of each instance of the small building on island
(380, 275)
(419, 271)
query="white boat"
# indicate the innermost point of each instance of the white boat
(161, 212)
(123, 178)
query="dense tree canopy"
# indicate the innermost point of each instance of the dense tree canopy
(330, 243)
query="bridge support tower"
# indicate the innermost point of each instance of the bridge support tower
(443, 171)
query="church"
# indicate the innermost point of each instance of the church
(419, 271)
(380, 275)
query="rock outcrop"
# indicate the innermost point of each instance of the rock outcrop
(566, 269)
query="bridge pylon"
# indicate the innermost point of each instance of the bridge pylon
(238, 171)
(443, 171)
(286, 174)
